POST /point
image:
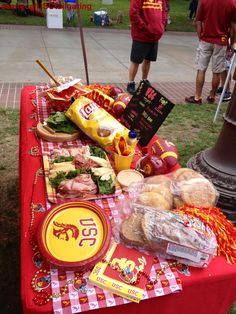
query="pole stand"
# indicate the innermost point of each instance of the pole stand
(218, 164)
(224, 183)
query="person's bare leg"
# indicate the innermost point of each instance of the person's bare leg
(200, 79)
(145, 69)
(215, 83)
(223, 77)
(133, 69)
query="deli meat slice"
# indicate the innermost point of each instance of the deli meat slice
(72, 151)
(78, 186)
(81, 161)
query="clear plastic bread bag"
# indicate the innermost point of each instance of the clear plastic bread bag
(142, 198)
(151, 195)
(185, 238)
(191, 188)
(126, 224)
(153, 225)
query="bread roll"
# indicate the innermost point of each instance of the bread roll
(158, 179)
(154, 199)
(184, 174)
(198, 192)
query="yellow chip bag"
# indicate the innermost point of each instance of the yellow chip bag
(95, 121)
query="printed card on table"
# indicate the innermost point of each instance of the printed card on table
(131, 262)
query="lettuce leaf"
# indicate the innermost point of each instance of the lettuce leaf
(60, 123)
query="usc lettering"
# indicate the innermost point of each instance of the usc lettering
(153, 4)
(101, 99)
(89, 232)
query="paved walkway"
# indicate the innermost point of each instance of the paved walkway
(175, 92)
(107, 54)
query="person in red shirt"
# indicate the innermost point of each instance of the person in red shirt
(147, 26)
(214, 19)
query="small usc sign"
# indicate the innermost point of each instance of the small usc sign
(146, 112)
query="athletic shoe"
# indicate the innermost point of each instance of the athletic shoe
(146, 81)
(131, 88)
(219, 90)
(227, 96)
(192, 100)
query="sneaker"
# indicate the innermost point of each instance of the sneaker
(146, 81)
(219, 90)
(227, 96)
(131, 88)
(192, 100)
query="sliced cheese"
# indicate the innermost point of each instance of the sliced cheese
(61, 166)
(106, 177)
(104, 173)
(100, 161)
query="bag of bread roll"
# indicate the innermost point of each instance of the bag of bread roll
(151, 195)
(191, 188)
(178, 236)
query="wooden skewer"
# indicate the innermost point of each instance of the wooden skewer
(48, 73)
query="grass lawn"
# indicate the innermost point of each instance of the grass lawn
(179, 15)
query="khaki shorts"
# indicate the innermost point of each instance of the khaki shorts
(204, 53)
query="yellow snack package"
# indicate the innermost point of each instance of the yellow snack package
(101, 99)
(95, 121)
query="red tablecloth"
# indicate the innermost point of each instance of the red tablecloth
(210, 290)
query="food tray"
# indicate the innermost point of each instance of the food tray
(52, 193)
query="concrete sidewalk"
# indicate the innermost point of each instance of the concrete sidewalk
(107, 53)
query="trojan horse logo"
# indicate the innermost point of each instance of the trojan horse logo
(63, 231)
(129, 269)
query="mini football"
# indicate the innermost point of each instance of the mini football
(115, 92)
(166, 150)
(124, 97)
(120, 104)
(151, 165)
(118, 107)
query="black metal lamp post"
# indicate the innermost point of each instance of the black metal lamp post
(218, 163)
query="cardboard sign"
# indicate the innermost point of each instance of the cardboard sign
(146, 112)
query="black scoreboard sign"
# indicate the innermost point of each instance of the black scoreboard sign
(146, 112)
